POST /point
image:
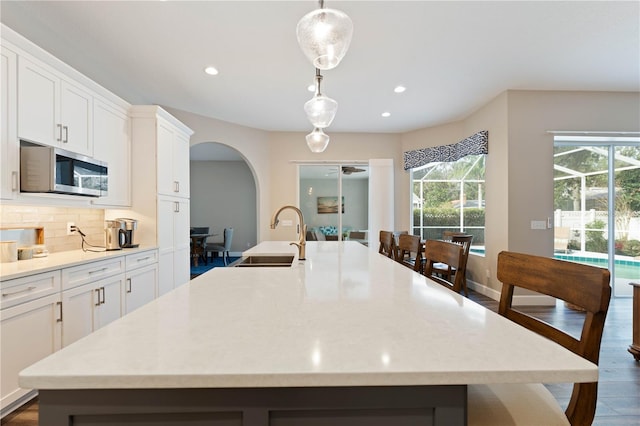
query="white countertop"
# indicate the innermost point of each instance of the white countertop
(345, 316)
(63, 259)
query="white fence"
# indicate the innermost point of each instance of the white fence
(577, 220)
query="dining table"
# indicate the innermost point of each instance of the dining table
(345, 337)
(198, 242)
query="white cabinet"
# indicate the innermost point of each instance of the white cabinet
(140, 287)
(91, 306)
(173, 160)
(173, 243)
(30, 326)
(112, 143)
(141, 284)
(53, 111)
(9, 146)
(162, 190)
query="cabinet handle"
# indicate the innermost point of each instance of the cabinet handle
(176, 186)
(31, 287)
(66, 134)
(98, 270)
(59, 132)
(144, 258)
(129, 282)
(59, 304)
(176, 207)
(14, 181)
(102, 290)
(97, 290)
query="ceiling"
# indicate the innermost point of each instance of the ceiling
(453, 57)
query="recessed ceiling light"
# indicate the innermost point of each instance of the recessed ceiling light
(399, 89)
(386, 114)
(211, 70)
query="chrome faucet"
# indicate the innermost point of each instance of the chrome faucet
(303, 229)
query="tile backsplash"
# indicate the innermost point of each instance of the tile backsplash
(54, 221)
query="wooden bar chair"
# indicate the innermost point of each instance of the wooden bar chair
(387, 244)
(409, 251)
(449, 271)
(584, 286)
(438, 252)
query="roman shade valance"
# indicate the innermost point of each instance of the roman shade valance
(473, 145)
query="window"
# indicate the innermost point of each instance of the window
(449, 196)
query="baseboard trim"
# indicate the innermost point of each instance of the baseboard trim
(522, 300)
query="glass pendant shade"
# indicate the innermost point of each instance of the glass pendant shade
(324, 36)
(317, 140)
(320, 110)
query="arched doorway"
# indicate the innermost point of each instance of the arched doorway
(223, 194)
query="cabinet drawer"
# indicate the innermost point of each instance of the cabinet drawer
(139, 260)
(22, 290)
(90, 272)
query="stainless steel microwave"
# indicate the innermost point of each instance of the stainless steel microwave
(54, 170)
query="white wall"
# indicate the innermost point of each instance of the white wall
(217, 185)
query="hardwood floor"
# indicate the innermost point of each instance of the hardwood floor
(619, 389)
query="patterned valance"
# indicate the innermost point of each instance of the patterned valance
(473, 145)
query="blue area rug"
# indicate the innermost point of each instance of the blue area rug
(216, 263)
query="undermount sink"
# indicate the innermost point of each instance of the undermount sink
(265, 261)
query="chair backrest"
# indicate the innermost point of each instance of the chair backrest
(228, 236)
(450, 253)
(409, 251)
(448, 235)
(584, 286)
(561, 236)
(465, 241)
(387, 244)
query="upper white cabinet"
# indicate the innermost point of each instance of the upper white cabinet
(112, 143)
(173, 160)
(9, 147)
(53, 111)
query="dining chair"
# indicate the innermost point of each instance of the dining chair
(387, 244)
(409, 251)
(449, 271)
(439, 252)
(223, 247)
(584, 286)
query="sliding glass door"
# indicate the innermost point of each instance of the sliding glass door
(334, 199)
(597, 205)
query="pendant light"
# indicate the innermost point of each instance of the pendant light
(317, 140)
(320, 109)
(324, 36)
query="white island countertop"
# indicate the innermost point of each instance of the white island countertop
(346, 316)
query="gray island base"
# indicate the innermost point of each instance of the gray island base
(313, 406)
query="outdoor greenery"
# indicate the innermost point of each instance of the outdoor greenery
(444, 189)
(572, 163)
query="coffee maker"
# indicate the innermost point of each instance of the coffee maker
(114, 234)
(129, 226)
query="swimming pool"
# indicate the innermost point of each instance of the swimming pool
(625, 268)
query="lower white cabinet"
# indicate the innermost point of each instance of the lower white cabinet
(91, 306)
(41, 313)
(173, 242)
(30, 331)
(140, 287)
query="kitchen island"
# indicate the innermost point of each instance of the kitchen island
(346, 337)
